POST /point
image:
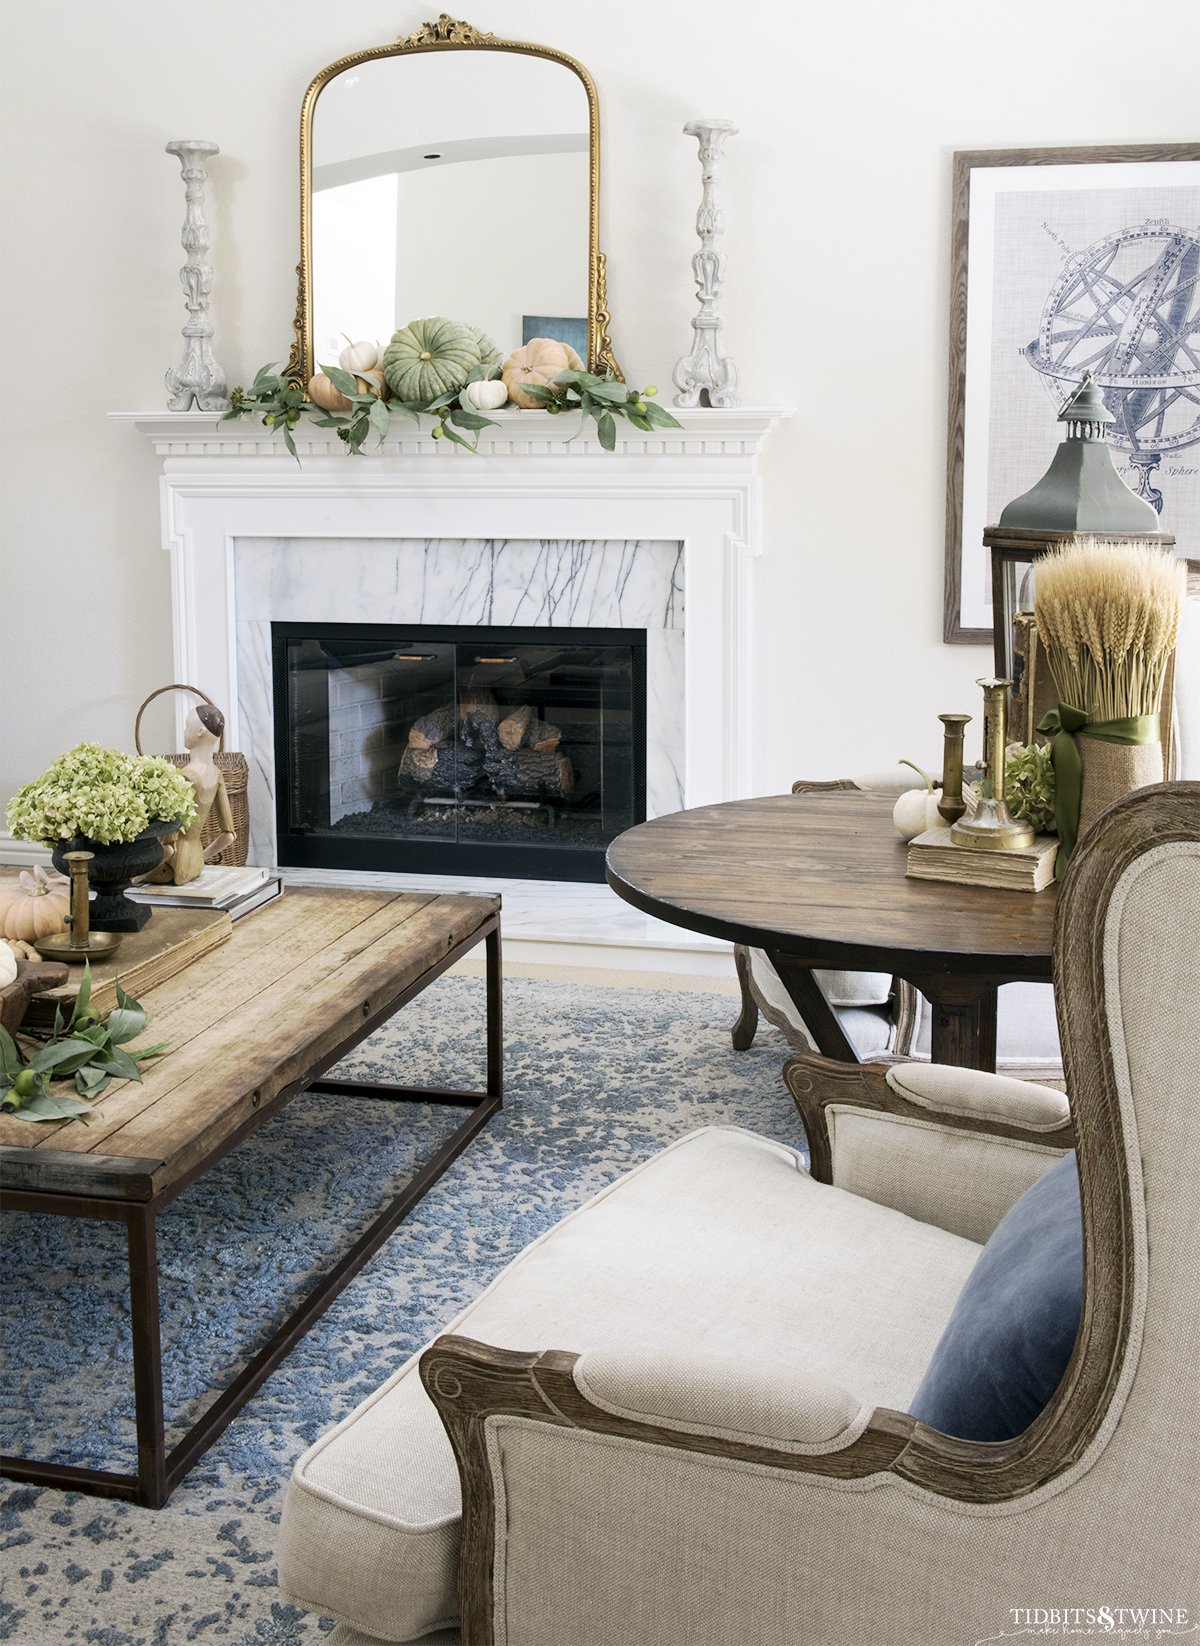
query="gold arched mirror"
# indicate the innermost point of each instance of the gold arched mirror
(453, 173)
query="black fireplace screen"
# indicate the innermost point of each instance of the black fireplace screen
(433, 750)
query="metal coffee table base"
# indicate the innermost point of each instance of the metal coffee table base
(159, 1471)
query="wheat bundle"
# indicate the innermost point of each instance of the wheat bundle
(1109, 620)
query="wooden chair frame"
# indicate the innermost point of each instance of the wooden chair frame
(470, 1382)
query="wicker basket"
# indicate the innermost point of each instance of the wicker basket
(233, 769)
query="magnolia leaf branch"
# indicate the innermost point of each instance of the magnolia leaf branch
(85, 1048)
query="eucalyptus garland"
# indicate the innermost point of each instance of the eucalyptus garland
(281, 403)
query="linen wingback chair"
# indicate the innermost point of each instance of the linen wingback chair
(681, 1418)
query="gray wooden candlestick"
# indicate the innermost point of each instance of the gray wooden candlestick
(197, 376)
(706, 371)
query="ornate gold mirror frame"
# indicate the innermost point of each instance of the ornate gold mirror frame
(447, 34)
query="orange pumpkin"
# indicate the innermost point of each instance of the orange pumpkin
(539, 362)
(322, 392)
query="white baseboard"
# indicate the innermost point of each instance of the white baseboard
(551, 923)
(620, 957)
(21, 854)
(547, 924)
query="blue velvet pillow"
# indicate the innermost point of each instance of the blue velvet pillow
(1008, 1341)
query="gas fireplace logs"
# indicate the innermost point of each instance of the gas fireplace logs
(513, 749)
(449, 769)
(432, 729)
(511, 730)
(520, 772)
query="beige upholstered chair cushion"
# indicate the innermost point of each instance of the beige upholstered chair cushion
(722, 1239)
(724, 1396)
(863, 1012)
(839, 988)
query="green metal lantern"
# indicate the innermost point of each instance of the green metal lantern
(1081, 495)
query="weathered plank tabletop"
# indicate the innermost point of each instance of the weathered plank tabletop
(292, 982)
(817, 880)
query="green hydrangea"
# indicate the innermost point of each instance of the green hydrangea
(100, 793)
(163, 790)
(1029, 785)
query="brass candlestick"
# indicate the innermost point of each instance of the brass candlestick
(952, 805)
(80, 943)
(993, 828)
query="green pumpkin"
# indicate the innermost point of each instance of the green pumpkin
(430, 357)
(489, 354)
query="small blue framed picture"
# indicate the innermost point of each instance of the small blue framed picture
(563, 328)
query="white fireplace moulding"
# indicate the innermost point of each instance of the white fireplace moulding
(659, 534)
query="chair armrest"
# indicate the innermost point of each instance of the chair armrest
(722, 1397)
(688, 1402)
(952, 1147)
(970, 1094)
(484, 1396)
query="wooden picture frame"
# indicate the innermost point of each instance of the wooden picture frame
(1128, 216)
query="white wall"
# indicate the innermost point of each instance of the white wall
(837, 200)
(466, 262)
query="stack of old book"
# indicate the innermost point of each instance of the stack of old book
(933, 856)
(235, 890)
(171, 941)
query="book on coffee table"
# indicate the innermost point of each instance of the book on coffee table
(217, 886)
(932, 856)
(267, 892)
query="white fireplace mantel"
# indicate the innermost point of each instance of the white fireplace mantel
(253, 535)
(227, 481)
(707, 435)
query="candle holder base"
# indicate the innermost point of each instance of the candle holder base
(65, 946)
(993, 828)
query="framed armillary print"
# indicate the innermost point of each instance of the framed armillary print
(1066, 261)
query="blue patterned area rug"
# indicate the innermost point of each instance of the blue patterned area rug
(597, 1080)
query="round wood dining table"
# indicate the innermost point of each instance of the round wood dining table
(817, 880)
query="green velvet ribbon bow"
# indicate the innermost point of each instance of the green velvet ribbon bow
(1063, 726)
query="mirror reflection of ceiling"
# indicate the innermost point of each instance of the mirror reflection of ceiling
(453, 183)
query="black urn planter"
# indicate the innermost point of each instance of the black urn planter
(110, 871)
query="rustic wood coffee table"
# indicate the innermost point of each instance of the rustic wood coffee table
(817, 880)
(251, 1025)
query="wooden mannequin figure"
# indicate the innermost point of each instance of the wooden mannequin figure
(185, 855)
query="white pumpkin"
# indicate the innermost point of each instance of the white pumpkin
(359, 357)
(8, 966)
(487, 395)
(917, 809)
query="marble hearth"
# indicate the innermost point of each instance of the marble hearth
(660, 534)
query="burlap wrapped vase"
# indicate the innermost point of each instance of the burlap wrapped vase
(1110, 770)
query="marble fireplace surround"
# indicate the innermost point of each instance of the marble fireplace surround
(661, 534)
(470, 583)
